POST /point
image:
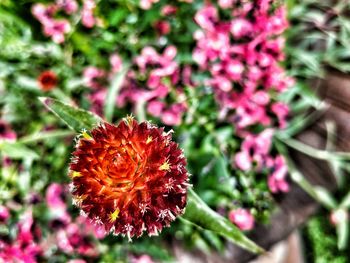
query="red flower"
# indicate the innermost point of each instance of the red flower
(130, 177)
(47, 80)
(162, 27)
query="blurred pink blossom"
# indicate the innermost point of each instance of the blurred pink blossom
(69, 6)
(206, 17)
(87, 14)
(243, 161)
(281, 110)
(73, 239)
(4, 214)
(162, 78)
(147, 4)
(277, 179)
(91, 228)
(241, 27)
(168, 10)
(56, 29)
(173, 115)
(6, 133)
(94, 77)
(225, 3)
(254, 149)
(155, 108)
(142, 259)
(44, 13)
(116, 63)
(242, 218)
(56, 204)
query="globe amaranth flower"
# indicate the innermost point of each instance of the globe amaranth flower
(130, 178)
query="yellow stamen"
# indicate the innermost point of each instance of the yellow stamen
(75, 174)
(165, 166)
(86, 135)
(114, 215)
(149, 139)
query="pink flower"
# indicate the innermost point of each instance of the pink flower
(91, 228)
(162, 75)
(244, 68)
(234, 69)
(168, 10)
(242, 218)
(54, 195)
(4, 214)
(276, 180)
(93, 77)
(206, 17)
(278, 23)
(281, 110)
(6, 133)
(69, 6)
(254, 148)
(116, 63)
(87, 14)
(76, 261)
(261, 98)
(155, 108)
(56, 205)
(56, 29)
(73, 240)
(97, 99)
(147, 4)
(173, 115)
(224, 4)
(43, 13)
(142, 259)
(25, 224)
(243, 161)
(241, 27)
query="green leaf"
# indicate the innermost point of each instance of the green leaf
(77, 119)
(17, 151)
(201, 215)
(325, 197)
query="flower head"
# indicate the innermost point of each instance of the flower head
(129, 178)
